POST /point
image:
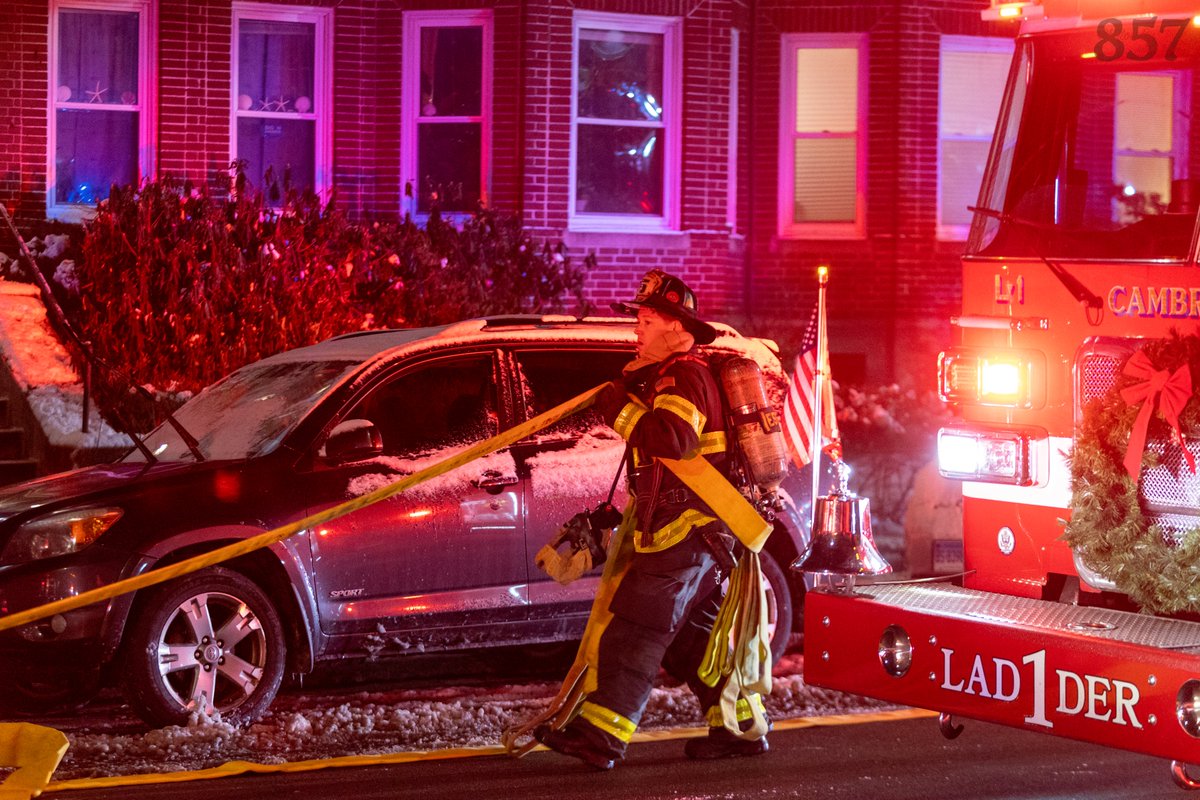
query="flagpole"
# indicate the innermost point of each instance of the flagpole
(819, 378)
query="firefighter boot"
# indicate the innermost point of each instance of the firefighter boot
(720, 743)
(573, 741)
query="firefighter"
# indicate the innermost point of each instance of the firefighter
(667, 405)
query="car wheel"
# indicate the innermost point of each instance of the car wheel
(210, 642)
(779, 605)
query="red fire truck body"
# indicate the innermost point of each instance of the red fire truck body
(1083, 249)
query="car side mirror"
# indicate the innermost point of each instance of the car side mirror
(353, 440)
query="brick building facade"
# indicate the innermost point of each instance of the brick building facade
(754, 95)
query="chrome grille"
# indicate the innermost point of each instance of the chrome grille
(1097, 374)
(1169, 491)
(1174, 526)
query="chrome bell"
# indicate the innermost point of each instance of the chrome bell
(841, 541)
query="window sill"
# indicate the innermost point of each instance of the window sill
(660, 240)
(952, 233)
(824, 231)
(74, 214)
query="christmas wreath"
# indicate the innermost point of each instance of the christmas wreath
(1109, 529)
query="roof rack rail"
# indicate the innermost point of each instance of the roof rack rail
(506, 320)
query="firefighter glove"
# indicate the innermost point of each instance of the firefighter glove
(612, 398)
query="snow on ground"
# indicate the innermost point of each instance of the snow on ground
(326, 724)
(42, 368)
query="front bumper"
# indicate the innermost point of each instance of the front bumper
(1109, 677)
(89, 629)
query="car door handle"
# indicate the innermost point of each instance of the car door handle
(493, 481)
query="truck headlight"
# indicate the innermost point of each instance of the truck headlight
(59, 533)
(994, 455)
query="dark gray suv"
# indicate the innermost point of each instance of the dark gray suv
(446, 565)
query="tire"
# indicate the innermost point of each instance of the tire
(779, 604)
(177, 663)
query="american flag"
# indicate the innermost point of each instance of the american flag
(798, 416)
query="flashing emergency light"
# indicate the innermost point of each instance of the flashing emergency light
(986, 379)
(1018, 10)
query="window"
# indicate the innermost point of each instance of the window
(554, 377)
(465, 411)
(822, 155)
(101, 125)
(1150, 140)
(280, 98)
(973, 72)
(626, 109)
(447, 108)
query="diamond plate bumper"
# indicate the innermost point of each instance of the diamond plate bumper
(1109, 677)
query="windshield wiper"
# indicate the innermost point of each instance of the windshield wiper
(193, 446)
(1085, 296)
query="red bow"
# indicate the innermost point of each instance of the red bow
(1174, 390)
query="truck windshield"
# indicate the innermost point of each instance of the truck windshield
(1098, 149)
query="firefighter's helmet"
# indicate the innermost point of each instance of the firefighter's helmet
(671, 296)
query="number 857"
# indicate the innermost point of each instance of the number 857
(1110, 47)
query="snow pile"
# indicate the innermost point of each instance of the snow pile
(313, 726)
(42, 369)
(34, 355)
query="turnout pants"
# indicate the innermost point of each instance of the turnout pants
(663, 612)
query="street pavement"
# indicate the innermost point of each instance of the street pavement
(899, 760)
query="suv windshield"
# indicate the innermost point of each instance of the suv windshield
(247, 413)
(1094, 147)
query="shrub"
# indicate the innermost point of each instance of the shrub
(176, 287)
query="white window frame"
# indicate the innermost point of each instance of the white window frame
(671, 29)
(147, 90)
(961, 44)
(410, 110)
(322, 116)
(731, 165)
(791, 43)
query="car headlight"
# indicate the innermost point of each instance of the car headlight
(59, 533)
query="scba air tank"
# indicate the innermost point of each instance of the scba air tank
(755, 423)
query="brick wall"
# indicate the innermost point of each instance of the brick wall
(890, 293)
(194, 73)
(23, 93)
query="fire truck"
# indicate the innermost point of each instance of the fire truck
(1076, 427)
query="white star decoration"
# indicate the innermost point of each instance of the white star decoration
(96, 95)
(273, 105)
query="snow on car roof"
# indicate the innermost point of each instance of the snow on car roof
(525, 328)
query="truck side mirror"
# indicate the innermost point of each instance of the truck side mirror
(353, 440)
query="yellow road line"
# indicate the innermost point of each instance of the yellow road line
(232, 768)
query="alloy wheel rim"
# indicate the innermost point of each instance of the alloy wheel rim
(212, 652)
